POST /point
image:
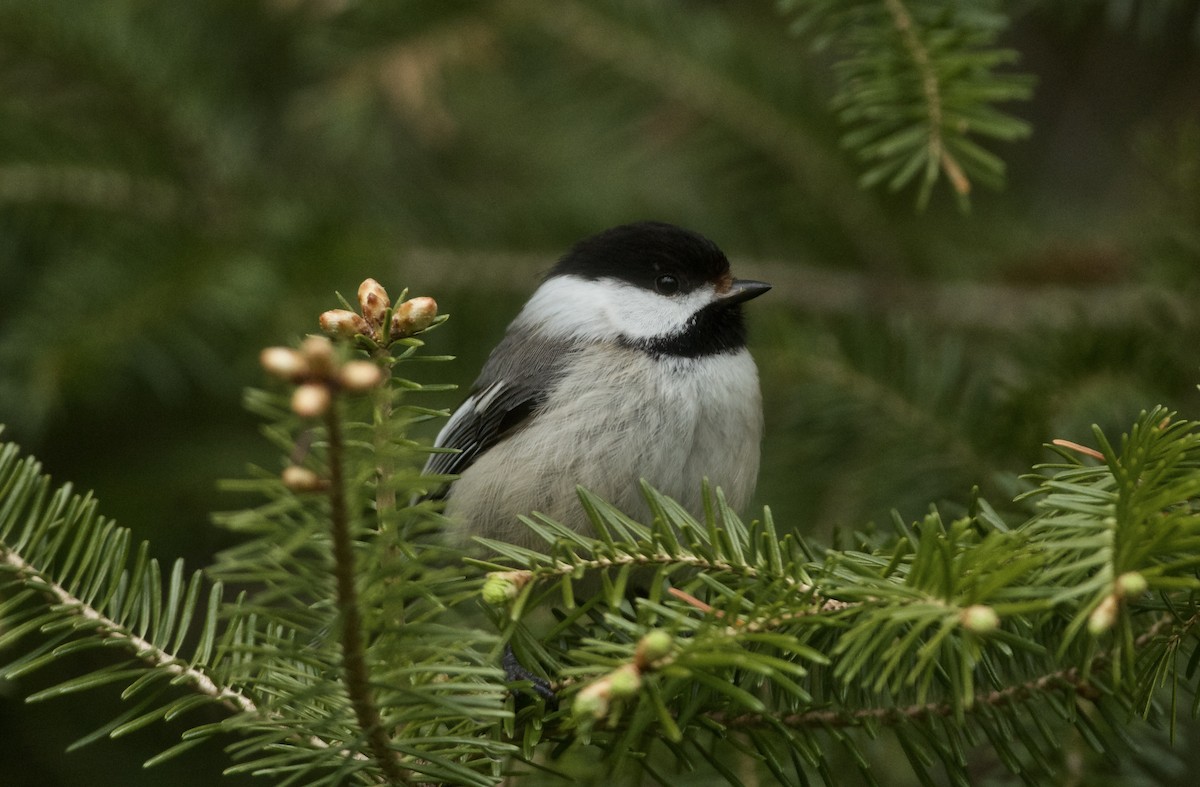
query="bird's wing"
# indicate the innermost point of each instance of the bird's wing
(514, 382)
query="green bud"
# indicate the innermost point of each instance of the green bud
(1131, 583)
(592, 701)
(625, 681)
(498, 590)
(653, 646)
(1104, 615)
(500, 587)
(979, 619)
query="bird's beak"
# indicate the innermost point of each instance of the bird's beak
(742, 290)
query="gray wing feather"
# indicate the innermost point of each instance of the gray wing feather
(513, 384)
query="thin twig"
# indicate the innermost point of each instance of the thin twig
(381, 400)
(354, 660)
(145, 650)
(747, 625)
(1069, 679)
(562, 568)
(157, 658)
(1064, 679)
(932, 91)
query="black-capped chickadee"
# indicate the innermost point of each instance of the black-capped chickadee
(628, 362)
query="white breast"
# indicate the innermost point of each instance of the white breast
(675, 421)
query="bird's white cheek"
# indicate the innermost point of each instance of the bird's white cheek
(568, 306)
(642, 314)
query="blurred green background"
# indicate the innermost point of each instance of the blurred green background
(183, 183)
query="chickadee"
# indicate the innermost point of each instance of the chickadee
(628, 362)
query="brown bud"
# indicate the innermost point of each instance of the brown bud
(374, 302)
(413, 316)
(360, 376)
(344, 323)
(284, 363)
(318, 351)
(311, 399)
(301, 479)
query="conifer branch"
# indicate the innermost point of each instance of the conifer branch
(917, 86)
(354, 660)
(104, 626)
(913, 633)
(562, 569)
(932, 91)
(381, 399)
(1067, 679)
(155, 657)
(1072, 680)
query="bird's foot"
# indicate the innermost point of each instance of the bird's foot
(515, 671)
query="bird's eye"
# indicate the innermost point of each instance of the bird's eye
(666, 285)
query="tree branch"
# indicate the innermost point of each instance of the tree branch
(931, 89)
(155, 657)
(151, 654)
(1070, 680)
(354, 660)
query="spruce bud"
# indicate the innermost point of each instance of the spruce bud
(625, 681)
(301, 479)
(498, 591)
(344, 323)
(413, 316)
(1104, 615)
(592, 701)
(318, 351)
(374, 302)
(284, 363)
(652, 647)
(1131, 583)
(501, 587)
(359, 376)
(311, 399)
(979, 619)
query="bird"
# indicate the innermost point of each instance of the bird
(628, 362)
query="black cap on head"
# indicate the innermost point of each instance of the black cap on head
(643, 252)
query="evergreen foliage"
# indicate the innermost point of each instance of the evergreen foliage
(916, 81)
(356, 654)
(272, 655)
(179, 181)
(236, 153)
